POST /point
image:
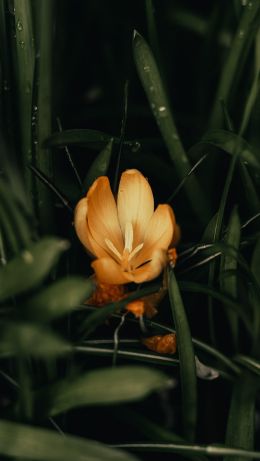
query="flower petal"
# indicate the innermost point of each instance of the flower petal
(102, 215)
(159, 233)
(108, 271)
(151, 269)
(83, 232)
(135, 203)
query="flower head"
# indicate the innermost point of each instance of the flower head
(127, 237)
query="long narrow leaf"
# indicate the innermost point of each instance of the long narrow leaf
(187, 360)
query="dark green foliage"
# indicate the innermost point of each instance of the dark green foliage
(89, 89)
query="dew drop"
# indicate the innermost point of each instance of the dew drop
(162, 110)
(21, 43)
(19, 25)
(175, 137)
(136, 146)
(241, 34)
(147, 68)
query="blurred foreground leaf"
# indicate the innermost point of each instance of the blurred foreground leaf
(58, 299)
(20, 441)
(25, 339)
(30, 267)
(106, 386)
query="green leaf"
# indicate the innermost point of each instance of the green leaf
(250, 191)
(100, 165)
(151, 80)
(140, 356)
(107, 386)
(182, 449)
(22, 441)
(42, 108)
(255, 263)
(230, 142)
(58, 299)
(233, 306)
(31, 267)
(229, 284)
(81, 137)
(187, 360)
(247, 28)
(25, 339)
(241, 419)
(24, 61)
(249, 363)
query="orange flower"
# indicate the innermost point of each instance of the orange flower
(163, 344)
(128, 238)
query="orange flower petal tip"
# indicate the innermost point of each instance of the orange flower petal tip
(163, 344)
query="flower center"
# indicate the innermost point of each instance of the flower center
(128, 252)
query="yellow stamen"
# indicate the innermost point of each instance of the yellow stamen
(112, 247)
(135, 251)
(129, 236)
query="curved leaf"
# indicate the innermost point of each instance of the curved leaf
(106, 386)
(58, 299)
(30, 268)
(22, 441)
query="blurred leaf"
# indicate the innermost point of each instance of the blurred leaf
(246, 30)
(106, 386)
(230, 142)
(255, 296)
(24, 339)
(13, 218)
(187, 360)
(241, 419)
(31, 267)
(23, 441)
(151, 80)
(229, 284)
(100, 165)
(58, 299)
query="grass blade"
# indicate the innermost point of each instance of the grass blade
(230, 284)
(241, 419)
(247, 28)
(25, 64)
(187, 360)
(100, 165)
(151, 81)
(42, 108)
